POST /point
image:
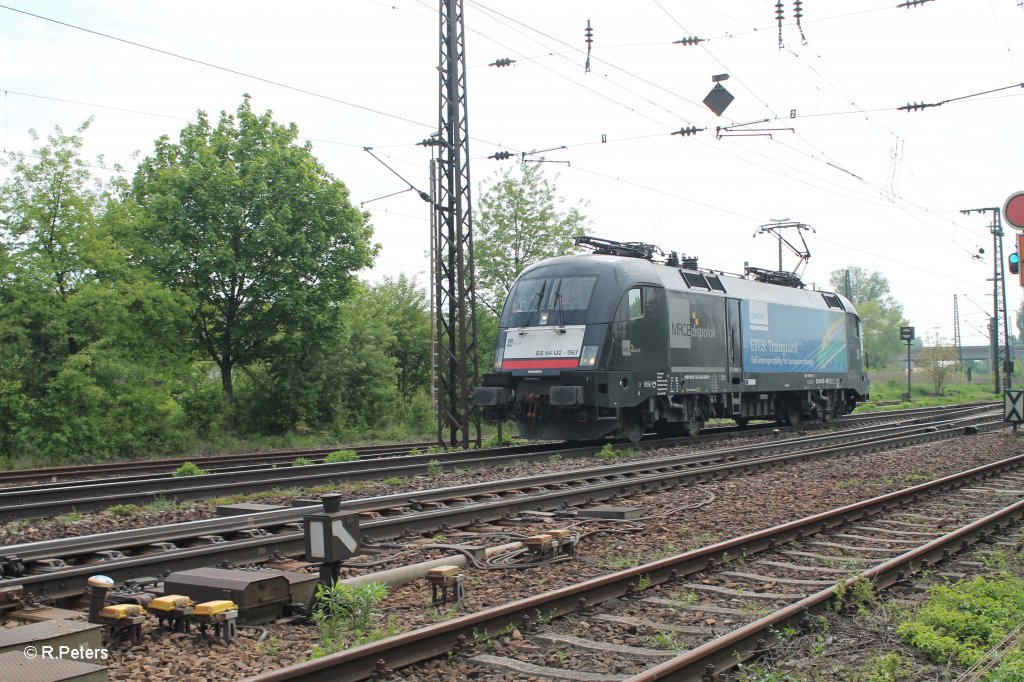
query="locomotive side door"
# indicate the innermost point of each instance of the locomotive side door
(734, 343)
(855, 350)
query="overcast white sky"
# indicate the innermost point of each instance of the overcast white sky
(883, 188)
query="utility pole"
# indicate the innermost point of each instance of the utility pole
(956, 332)
(455, 293)
(1001, 355)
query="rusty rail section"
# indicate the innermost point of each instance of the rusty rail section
(455, 635)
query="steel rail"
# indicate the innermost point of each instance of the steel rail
(750, 640)
(624, 480)
(67, 547)
(457, 634)
(205, 461)
(55, 476)
(40, 501)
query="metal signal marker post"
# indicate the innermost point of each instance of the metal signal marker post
(907, 334)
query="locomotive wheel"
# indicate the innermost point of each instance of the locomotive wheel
(741, 421)
(692, 427)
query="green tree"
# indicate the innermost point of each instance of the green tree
(405, 307)
(938, 363)
(519, 223)
(88, 347)
(246, 223)
(865, 285)
(1020, 323)
(881, 316)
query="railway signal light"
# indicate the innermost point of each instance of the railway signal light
(1014, 263)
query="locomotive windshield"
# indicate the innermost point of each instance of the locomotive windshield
(548, 301)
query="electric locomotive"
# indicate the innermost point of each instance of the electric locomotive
(614, 344)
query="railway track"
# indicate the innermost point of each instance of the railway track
(696, 614)
(58, 568)
(76, 472)
(38, 501)
(73, 474)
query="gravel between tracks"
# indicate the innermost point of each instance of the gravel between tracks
(741, 504)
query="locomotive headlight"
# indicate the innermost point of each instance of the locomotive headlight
(588, 358)
(498, 357)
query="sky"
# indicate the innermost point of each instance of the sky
(882, 187)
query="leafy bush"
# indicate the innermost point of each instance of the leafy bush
(495, 442)
(203, 400)
(341, 456)
(961, 622)
(301, 462)
(189, 469)
(345, 610)
(434, 468)
(890, 667)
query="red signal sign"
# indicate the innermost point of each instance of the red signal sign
(1013, 210)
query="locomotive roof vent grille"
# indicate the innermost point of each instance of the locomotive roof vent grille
(694, 280)
(715, 283)
(833, 301)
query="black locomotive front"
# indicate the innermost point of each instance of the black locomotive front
(579, 338)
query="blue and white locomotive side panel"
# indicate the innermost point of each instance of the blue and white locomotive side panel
(782, 338)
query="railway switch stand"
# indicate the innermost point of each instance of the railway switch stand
(446, 584)
(123, 622)
(99, 586)
(222, 614)
(331, 537)
(174, 611)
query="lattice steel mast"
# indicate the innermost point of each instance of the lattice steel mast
(454, 291)
(1000, 354)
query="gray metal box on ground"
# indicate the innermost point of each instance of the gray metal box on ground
(55, 633)
(260, 595)
(15, 665)
(605, 511)
(243, 508)
(301, 586)
(36, 614)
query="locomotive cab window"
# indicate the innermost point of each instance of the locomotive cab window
(548, 301)
(635, 304)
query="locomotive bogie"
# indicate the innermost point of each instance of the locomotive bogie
(602, 346)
